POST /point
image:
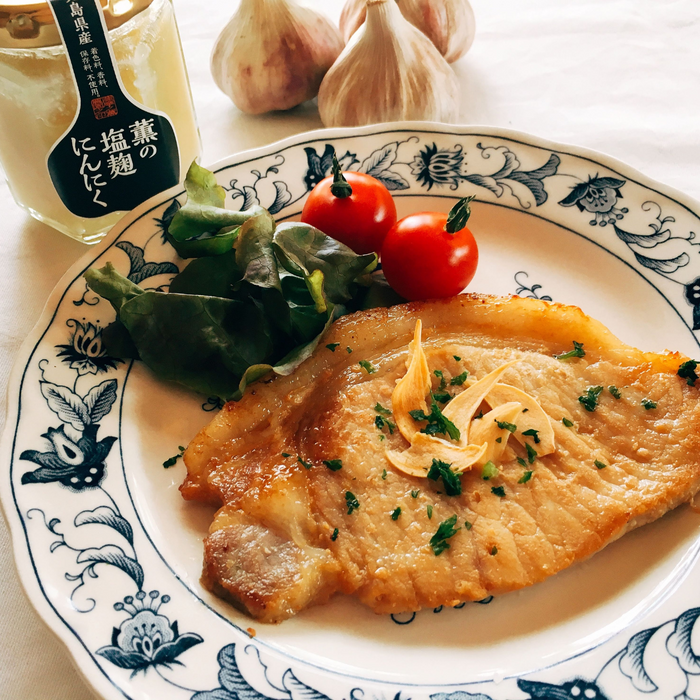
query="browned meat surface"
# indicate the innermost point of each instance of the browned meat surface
(271, 550)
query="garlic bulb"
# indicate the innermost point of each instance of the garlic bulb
(449, 24)
(390, 71)
(273, 54)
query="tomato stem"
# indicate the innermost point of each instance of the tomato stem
(459, 215)
(341, 187)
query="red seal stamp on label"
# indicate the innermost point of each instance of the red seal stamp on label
(103, 107)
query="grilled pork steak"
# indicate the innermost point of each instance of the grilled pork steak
(292, 530)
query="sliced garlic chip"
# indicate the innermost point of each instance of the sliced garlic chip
(533, 419)
(418, 458)
(462, 408)
(486, 431)
(411, 390)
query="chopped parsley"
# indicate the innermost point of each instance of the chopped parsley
(590, 399)
(395, 514)
(380, 409)
(429, 509)
(648, 404)
(382, 437)
(306, 465)
(450, 479)
(534, 434)
(384, 474)
(172, 461)
(442, 397)
(445, 530)
(687, 371)
(494, 551)
(414, 494)
(334, 465)
(504, 425)
(525, 477)
(478, 416)
(567, 423)
(467, 525)
(334, 536)
(351, 502)
(459, 359)
(615, 392)
(599, 464)
(531, 453)
(489, 471)
(367, 366)
(437, 423)
(578, 351)
(459, 379)
(525, 410)
(349, 349)
(441, 376)
(380, 422)
(499, 440)
(333, 346)
(498, 491)
(522, 462)
(286, 454)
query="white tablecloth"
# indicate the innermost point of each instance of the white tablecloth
(619, 76)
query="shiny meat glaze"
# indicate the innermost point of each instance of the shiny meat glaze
(270, 550)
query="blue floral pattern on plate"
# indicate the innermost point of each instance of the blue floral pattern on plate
(85, 552)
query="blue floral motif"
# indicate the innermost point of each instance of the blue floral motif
(578, 689)
(599, 196)
(319, 166)
(85, 351)
(76, 464)
(146, 638)
(438, 166)
(139, 269)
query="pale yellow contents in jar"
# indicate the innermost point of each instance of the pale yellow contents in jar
(38, 102)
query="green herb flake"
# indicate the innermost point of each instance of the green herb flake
(525, 410)
(531, 453)
(478, 416)
(384, 474)
(499, 440)
(172, 461)
(615, 392)
(334, 536)
(459, 359)
(442, 397)
(333, 346)
(383, 411)
(525, 477)
(504, 425)
(648, 404)
(445, 530)
(351, 502)
(441, 376)
(286, 455)
(335, 465)
(395, 513)
(567, 423)
(367, 366)
(437, 422)
(590, 399)
(687, 371)
(450, 479)
(499, 491)
(349, 349)
(599, 464)
(489, 471)
(467, 525)
(534, 434)
(430, 512)
(459, 379)
(521, 462)
(578, 351)
(494, 551)
(382, 422)
(414, 494)
(306, 465)
(382, 437)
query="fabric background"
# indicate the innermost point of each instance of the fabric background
(618, 76)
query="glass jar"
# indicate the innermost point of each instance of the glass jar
(38, 97)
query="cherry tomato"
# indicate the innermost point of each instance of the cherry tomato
(354, 208)
(431, 255)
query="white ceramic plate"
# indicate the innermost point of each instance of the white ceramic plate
(111, 556)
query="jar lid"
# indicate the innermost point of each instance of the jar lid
(27, 24)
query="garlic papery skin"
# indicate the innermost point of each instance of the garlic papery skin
(390, 71)
(449, 24)
(273, 54)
